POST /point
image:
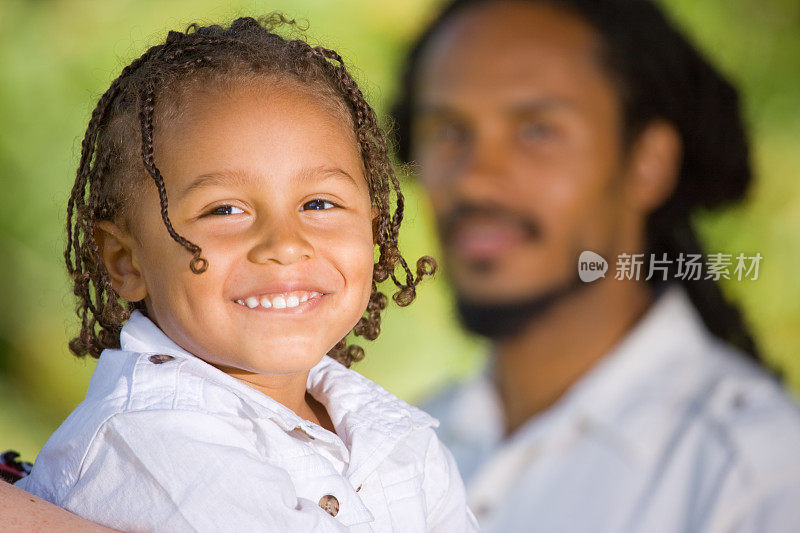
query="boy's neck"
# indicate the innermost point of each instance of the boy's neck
(289, 390)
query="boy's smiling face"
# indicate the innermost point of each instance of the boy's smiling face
(267, 179)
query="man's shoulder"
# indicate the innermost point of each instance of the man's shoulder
(441, 403)
(470, 420)
(753, 414)
(467, 400)
(722, 415)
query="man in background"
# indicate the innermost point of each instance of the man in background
(548, 131)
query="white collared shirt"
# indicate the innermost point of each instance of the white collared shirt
(673, 431)
(166, 442)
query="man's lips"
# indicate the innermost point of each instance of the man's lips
(484, 232)
(485, 240)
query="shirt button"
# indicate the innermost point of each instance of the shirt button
(302, 432)
(329, 504)
(159, 358)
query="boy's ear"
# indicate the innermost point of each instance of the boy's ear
(375, 217)
(116, 249)
(654, 166)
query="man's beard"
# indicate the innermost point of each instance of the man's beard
(499, 321)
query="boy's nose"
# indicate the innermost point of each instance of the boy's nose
(282, 244)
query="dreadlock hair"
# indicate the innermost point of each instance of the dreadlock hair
(658, 75)
(117, 156)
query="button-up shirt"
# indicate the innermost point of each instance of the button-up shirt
(166, 442)
(672, 431)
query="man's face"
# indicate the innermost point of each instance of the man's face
(517, 134)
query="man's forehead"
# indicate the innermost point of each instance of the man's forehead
(507, 47)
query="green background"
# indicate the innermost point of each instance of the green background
(57, 58)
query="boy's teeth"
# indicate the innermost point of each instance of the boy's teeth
(279, 301)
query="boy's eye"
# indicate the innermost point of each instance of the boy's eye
(317, 205)
(226, 210)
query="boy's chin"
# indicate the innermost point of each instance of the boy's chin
(289, 360)
(264, 358)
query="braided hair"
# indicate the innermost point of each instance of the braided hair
(117, 158)
(658, 75)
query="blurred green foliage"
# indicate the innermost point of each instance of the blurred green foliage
(58, 57)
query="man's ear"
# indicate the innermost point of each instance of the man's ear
(654, 166)
(116, 249)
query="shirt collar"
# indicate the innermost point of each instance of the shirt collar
(368, 419)
(143, 336)
(669, 333)
(639, 370)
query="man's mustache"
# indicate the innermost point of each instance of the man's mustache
(450, 222)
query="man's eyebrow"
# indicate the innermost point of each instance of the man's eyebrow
(433, 108)
(516, 107)
(241, 178)
(538, 105)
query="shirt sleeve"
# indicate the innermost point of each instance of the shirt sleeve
(444, 492)
(176, 470)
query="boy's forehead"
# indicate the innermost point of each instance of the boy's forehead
(246, 136)
(248, 123)
(204, 97)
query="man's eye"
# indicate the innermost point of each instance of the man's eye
(226, 210)
(532, 131)
(450, 133)
(317, 205)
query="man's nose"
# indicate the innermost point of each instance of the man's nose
(484, 168)
(281, 241)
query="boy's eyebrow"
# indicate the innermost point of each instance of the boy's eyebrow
(217, 178)
(335, 172)
(246, 178)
